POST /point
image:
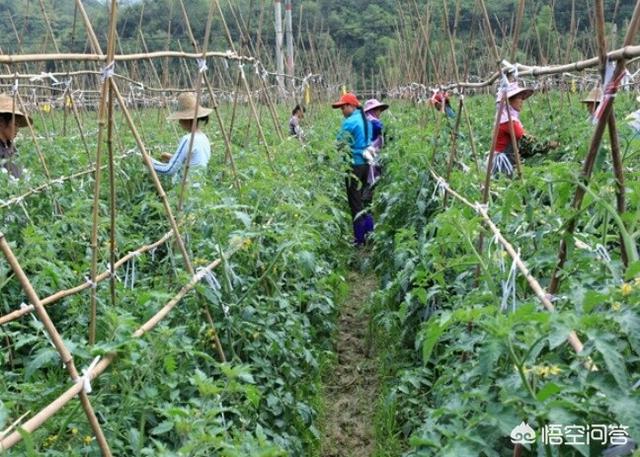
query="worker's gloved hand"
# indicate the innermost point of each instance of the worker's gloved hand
(553, 144)
(165, 157)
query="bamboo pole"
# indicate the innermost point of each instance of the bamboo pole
(227, 141)
(589, 161)
(76, 57)
(87, 284)
(56, 339)
(147, 160)
(77, 388)
(540, 293)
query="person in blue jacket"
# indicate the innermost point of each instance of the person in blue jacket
(355, 136)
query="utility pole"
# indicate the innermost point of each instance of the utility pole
(279, 39)
(289, 32)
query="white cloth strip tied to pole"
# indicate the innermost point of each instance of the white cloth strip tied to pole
(92, 284)
(87, 374)
(42, 76)
(509, 287)
(108, 71)
(441, 188)
(202, 65)
(14, 88)
(112, 273)
(130, 271)
(602, 253)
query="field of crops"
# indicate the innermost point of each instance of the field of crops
(464, 353)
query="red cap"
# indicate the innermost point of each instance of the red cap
(347, 99)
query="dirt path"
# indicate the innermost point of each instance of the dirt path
(351, 391)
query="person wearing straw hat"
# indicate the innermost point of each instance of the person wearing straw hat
(355, 137)
(374, 109)
(528, 146)
(201, 149)
(11, 119)
(592, 100)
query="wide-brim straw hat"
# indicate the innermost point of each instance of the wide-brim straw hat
(593, 96)
(523, 92)
(187, 108)
(7, 106)
(373, 103)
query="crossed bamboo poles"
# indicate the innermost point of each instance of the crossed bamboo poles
(109, 91)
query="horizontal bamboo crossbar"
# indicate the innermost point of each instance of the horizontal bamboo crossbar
(74, 290)
(626, 52)
(540, 293)
(77, 57)
(41, 417)
(19, 198)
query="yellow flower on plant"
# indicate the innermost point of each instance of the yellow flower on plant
(543, 371)
(87, 439)
(74, 431)
(626, 289)
(246, 243)
(616, 306)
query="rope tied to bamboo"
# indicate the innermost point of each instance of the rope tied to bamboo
(14, 88)
(108, 71)
(202, 65)
(91, 283)
(87, 374)
(44, 75)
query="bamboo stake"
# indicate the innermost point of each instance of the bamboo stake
(85, 285)
(76, 57)
(77, 388)
(163, 196)
(540, 293)
(56, 339)
(593, 151)
(227, 141)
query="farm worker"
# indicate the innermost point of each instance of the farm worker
(355, 136)
(9, 126)
(528, 146)
(440, 101)
(201, 150)
(592, 100)
(294, 123)
(373, 109)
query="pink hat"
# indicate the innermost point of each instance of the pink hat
(373, 103)
(514, 90)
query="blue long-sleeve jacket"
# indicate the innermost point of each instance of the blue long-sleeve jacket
(352, 134)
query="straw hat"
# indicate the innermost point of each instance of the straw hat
(6, 106)
(593, 96)
(373, 103)
(187, 108)
(514, 90)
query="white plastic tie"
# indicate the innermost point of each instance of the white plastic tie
(87, 374)
(42, 76)
(14, 88)
(112, 274)
(89, 281)
(441, 187)
(202, 65)
(602, 253)
(509, 287)
(108, 71)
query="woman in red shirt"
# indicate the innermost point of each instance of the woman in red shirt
(504, 160)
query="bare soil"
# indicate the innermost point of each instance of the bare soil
(351, 391)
